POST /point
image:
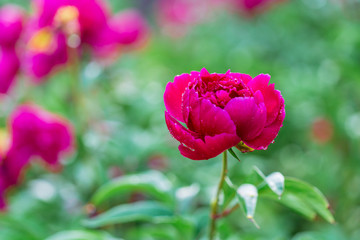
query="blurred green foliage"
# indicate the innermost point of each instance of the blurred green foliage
(312, 51)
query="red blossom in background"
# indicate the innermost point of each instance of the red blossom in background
(34, 133)
(11, 26)
(222, 111)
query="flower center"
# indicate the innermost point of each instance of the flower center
(4, 142)
(42, 40)
(220, 89)
(66, 18)
(65, 15)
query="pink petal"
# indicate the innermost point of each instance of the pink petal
(248, 115)
(173, 95)
(9, 66)
(130, 27)
(194, 147)
(207, 119)
(241, 76)
(272, 98)
(268, 134)
(11, 24)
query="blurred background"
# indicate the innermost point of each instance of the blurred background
(311, 49)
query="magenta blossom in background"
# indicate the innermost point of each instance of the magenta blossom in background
(175, 17)
(34, 133)
(46, 50)
(9, 67)
(126, 29)
(89, 22)
(11, 25)
(252, 7)
(222, 111)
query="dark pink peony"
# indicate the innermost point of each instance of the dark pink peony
(222, 111)
(34, 133)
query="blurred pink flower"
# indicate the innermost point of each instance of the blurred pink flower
(222, 111)
(11, 25)
(252, 7)
(46, 50)
(34, 133)
(126, 29)
(89, 22)
(176, 16)
(9, 67)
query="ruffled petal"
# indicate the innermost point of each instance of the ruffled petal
(205, 118)
(248, 115)
(195, 148)
(245, 78)
(173, 95)
(268, 134)
(272, 98)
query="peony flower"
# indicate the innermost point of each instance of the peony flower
(88, 22)
(46, 50)
(11, 25)
(34, 133)
(221, 111)
(125, 29)
(129, 27)
(9, 67)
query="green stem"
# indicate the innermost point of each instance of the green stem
(215, 203)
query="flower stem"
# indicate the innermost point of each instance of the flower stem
(215, 202)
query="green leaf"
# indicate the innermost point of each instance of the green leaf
(233, 154)
(229, 191)
(247, 195)
(186, 196)
(139, 211)
(275, 181)
(81, 235)
(184, 226)
(152, 183)
(301, 197)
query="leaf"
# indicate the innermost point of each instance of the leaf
(303, 198)
(233, 154)
(229, 191)
(184, 226)
(247, 195)
(81, 235)
(276, 181)
(139, 211)
(152, 183)
(185, 197)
